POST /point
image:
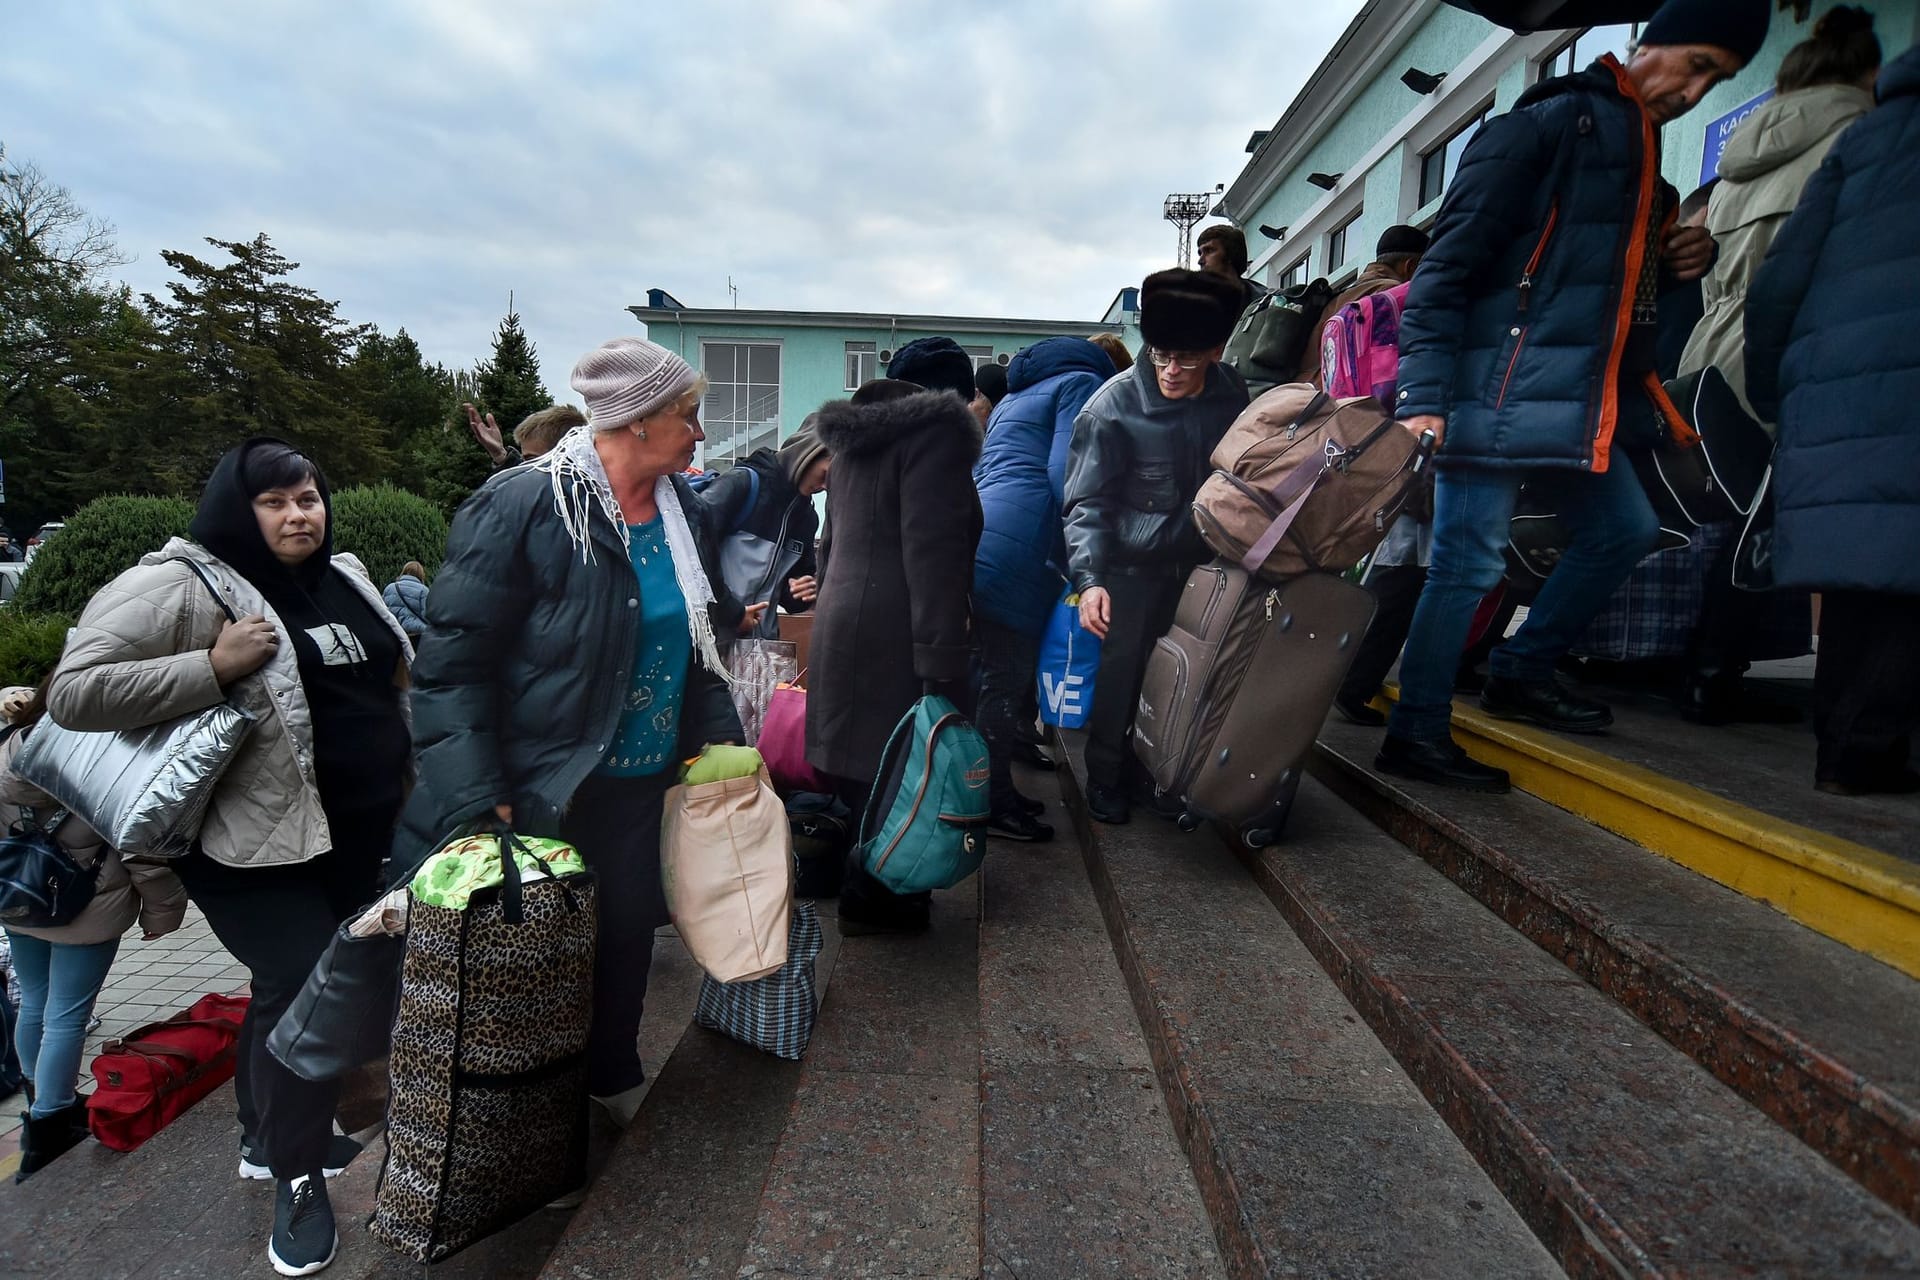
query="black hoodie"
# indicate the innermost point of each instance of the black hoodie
(348, 655)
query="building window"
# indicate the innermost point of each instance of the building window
(1337, 246)
(1294, 275)
(1438, 166)
(741, 411)
(981, 355)
(863, 364)
(1577, 53)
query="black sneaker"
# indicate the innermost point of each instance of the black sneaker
(1108, 804)
(1016, 823)
(1355, 710)
(1442, 763)
(303, 1240)
(1547, 703)
(1031, 755)
(340, 1153)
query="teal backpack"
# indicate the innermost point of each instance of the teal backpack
(926, 824)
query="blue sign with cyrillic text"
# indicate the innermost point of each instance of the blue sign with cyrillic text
(1720, 132)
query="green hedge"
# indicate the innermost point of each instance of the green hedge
(386, 527)
(30, 644)
(102, 540)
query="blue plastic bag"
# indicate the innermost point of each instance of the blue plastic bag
(1069, 661)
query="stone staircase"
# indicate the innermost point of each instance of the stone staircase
(1426, 1035)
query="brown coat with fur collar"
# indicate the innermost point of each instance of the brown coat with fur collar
(903, 521)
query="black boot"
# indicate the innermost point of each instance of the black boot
(44, 1139)
(1718, 695)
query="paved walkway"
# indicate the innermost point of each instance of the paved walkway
(149, 982)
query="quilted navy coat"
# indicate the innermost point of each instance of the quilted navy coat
(1832, 355)
(1515, 329)
(1020, 568)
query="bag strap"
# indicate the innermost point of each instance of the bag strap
(200, 572)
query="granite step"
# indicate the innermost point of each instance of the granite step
(1625, 1156)
(976, 1101)
(1315, 1153)
(1812, 1032)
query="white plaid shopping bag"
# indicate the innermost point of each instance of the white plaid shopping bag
(774, 1013)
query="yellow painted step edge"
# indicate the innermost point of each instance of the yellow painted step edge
(1854, 894)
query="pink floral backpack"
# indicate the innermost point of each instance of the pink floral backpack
(1360, 347)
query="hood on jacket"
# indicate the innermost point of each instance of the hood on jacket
(849, 429)
(802, 450)
(226, 526)
(1051, 357)
(1782, 129)
(1901, 77)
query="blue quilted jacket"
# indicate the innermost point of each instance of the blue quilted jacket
(1019, 569)
(1515, 329)
(1833, 357)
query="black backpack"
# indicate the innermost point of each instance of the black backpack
(1269, 343)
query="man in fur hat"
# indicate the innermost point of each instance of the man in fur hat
(1139, 455)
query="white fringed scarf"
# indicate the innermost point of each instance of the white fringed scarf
(580, 484)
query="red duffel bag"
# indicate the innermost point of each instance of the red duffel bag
(145, 1079)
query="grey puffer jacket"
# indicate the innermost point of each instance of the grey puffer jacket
(142, 653)
(124, 892)
(1136, 462)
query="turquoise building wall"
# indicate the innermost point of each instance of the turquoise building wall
(813, 356)
(1443, 41)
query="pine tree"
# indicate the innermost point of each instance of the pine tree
(509, 382)
(254, 354)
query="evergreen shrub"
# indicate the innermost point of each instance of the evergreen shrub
(386, 527)
(102, 540)
(30, 644)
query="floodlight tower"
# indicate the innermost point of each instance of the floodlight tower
(1185, 212)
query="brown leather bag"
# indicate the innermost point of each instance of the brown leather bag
(1306, 483)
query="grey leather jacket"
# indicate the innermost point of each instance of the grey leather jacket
(1136, 463)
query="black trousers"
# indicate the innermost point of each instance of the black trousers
(1009, 666)
(862, 897)
(277, 921)
(1867, 685)
(1143, 610)
(1729, 619)
(1396, 592)
(615, 824)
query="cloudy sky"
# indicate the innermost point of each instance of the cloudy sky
(421, 158)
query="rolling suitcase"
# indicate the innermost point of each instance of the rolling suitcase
(1236, 692)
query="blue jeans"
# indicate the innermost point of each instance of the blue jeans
(58, 984)
(1613, 530)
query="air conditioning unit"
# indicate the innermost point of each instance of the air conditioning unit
(1003, 358)
(886, 358)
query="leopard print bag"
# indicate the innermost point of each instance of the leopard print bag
(488, 1117)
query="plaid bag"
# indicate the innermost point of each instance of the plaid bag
(774, 1013)
(1653, 613)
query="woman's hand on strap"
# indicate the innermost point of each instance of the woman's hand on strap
(243, 648)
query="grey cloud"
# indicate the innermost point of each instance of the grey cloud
(422, 158)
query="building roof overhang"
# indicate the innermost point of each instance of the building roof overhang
(724, 317)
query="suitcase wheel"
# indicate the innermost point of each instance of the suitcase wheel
(1188, 822)
(1260, 838)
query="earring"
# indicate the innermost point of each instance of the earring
(641, 432)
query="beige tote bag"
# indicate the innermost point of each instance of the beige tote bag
(726, 862)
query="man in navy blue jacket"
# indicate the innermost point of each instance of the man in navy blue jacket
(1528, 346)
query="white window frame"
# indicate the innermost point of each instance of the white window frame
(1474, 119)
(982, 356)
(1342, 233)
(1544, 68)
(732, 449)
(1297, 272)
(862, 356)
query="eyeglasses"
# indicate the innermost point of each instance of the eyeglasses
(1162, 359)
